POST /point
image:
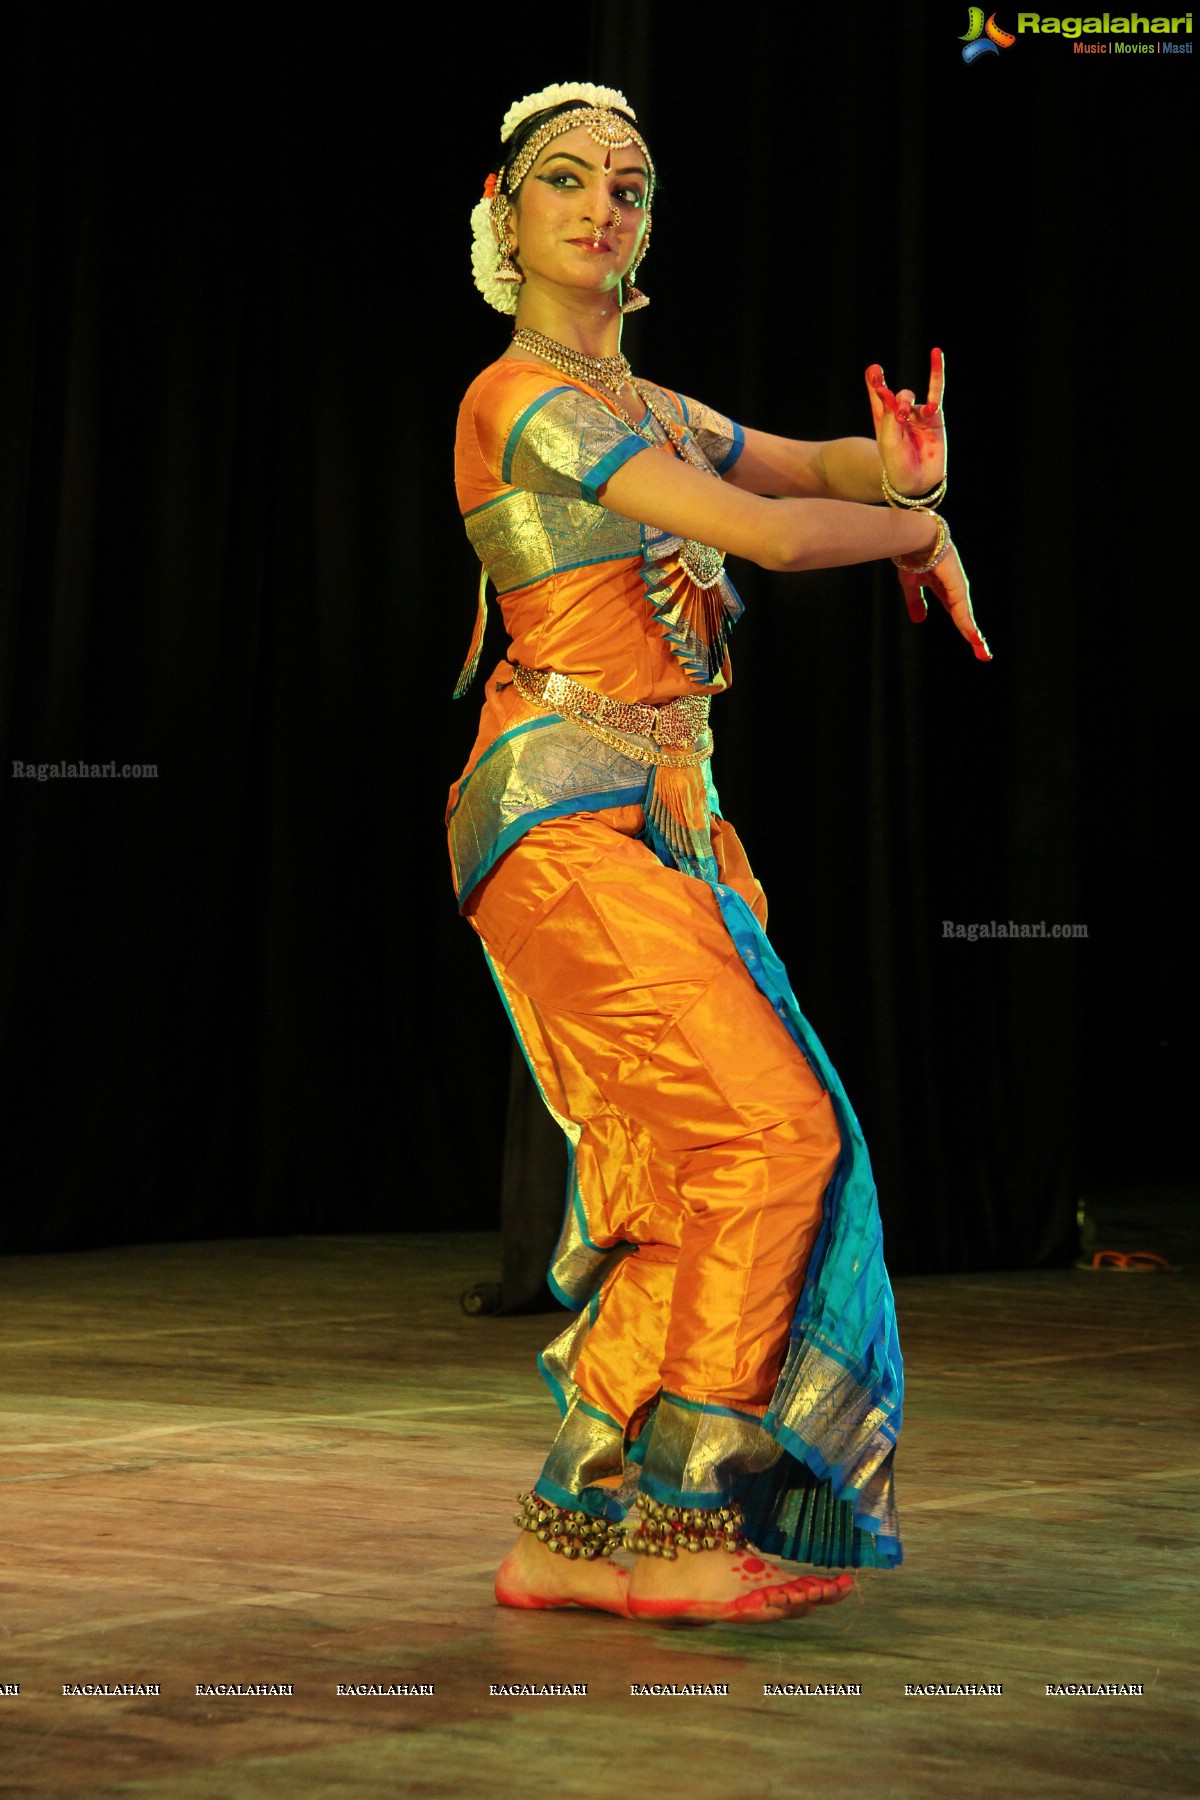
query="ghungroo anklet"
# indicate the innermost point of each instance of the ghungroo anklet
(568, 1534)
(666, 1530)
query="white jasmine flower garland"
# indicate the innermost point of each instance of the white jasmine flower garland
(554, 95)
(484, 257)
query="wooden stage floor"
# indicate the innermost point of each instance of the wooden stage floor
(293, 1463)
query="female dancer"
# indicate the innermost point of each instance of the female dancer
(734, 1366)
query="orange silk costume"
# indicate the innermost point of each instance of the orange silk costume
(735, 1338)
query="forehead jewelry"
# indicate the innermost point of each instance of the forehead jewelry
(605, 128)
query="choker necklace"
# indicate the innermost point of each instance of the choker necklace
(607, 372)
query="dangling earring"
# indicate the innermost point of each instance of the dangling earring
(506, 269)
(634, 299)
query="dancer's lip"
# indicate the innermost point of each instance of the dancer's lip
(601, 247)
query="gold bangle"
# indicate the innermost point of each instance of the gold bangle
(939, 550)
(921, 502)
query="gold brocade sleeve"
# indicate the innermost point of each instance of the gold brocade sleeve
(567, 442)
(715, 434)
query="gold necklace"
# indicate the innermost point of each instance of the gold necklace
(607, 372)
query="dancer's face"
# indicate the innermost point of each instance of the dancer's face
(568, 234)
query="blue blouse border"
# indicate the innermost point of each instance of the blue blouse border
(608, 465)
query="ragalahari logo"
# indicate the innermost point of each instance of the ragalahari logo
(984, 40)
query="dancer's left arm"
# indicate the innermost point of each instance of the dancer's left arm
(909, 442)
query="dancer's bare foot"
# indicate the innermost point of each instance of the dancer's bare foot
(532, 1576)
(703, 1586)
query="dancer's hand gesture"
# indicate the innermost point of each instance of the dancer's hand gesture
(949, 583)
(911, 436)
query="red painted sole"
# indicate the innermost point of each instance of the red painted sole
(506, 1596)
(784, 1600)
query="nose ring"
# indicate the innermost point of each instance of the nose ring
(613, 219)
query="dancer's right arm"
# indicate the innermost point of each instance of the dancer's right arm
(660, 490)
(664, 492)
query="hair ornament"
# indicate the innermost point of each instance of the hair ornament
(485, 259)
(555, 95)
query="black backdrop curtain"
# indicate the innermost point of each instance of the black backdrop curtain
(237, 319)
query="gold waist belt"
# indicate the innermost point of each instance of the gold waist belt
(678, 726)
